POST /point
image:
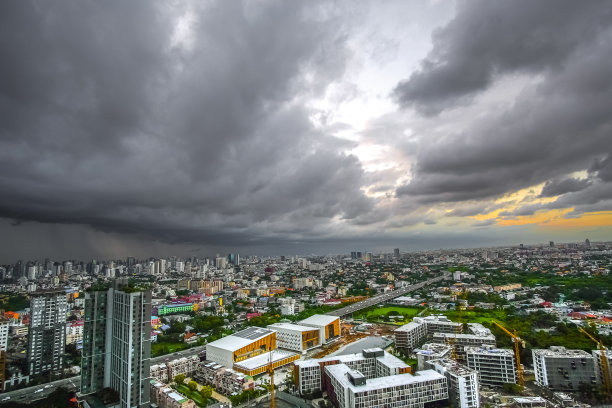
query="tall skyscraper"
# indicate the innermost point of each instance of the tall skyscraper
(396, 253)
(47, 332)
(234, 259)
(117, 343)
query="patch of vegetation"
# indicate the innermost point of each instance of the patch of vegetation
(392, 314)
(13, 301)
(160, 349)
(245, 396)
(191, 394)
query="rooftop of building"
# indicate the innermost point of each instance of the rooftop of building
(452, 366)
(562, 352)
(264, 359)
(241, 339)
(489, 351)
(529, 400)
(341, 371)
(436, 319)
(320, 320)
(291, 326)
(478, 329)
(48, 291)
(465, 336)
(433, 348)
(408, 327)
(391, 361)
(386, 358)
(253, 333)
(182, 304)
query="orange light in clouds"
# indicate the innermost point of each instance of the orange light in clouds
(594, 219)
(555, 219)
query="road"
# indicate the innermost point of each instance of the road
(37, 392)
(383, 297)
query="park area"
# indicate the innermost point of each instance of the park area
(389, 314)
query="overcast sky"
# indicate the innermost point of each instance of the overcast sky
(291, 127)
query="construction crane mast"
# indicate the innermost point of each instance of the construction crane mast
(605, 369)
(518, 343)
(271, 373)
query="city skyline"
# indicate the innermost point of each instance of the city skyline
(302, 127)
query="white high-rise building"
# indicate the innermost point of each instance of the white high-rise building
(4, 332)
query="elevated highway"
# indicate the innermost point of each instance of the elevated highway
(384, 297)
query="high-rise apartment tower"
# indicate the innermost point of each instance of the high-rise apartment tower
(47, 332)
(117, 343)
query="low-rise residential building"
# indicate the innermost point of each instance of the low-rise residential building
(159, 372)
(563, 369)
(224, 380)
(289, 306)
(184, 365)
(176, 308)
(495, 367)
(166, 397)
(74, 331)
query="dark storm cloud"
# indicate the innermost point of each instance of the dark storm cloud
(109, 120)
(593, 197)
(557, 187)
(603, 168)
(487, 39)
(557, 124)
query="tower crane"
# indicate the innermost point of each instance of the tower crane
(271, 373)
(605, 369)
(518, 343)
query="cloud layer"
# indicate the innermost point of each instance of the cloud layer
(233, 124)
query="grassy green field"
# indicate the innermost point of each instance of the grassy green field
(159, 349)
(464, 316)
(481, 316)
(402, 310)
(379, 314)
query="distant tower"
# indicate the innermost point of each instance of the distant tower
(551, 244)
(234, 259)
(47, 332)
(587, 243)
(396, 253)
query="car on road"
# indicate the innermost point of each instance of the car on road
(38, 390)
(6, 398)
(48, 386)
